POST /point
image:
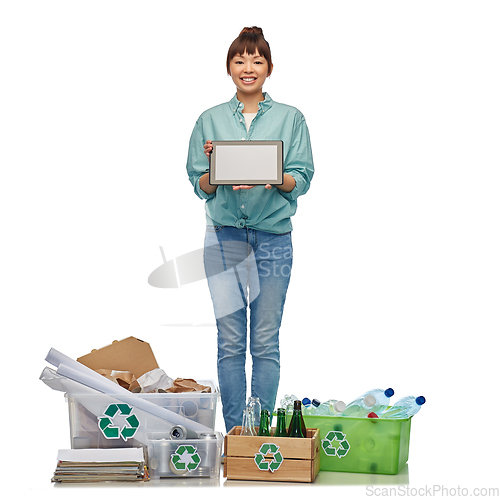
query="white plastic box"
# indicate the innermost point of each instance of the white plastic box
(103, 421)
(185, 457)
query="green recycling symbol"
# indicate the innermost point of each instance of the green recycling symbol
(111, 431)
(185, 458)
(266, 449)
(330, 450)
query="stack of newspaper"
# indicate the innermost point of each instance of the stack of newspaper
(95, 465)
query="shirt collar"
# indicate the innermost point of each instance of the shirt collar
(264, 105)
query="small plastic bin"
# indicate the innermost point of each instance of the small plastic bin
(100, 421)
(200, 458)
(363, 445)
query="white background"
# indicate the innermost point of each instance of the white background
(396, 245)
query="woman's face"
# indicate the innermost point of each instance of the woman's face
(249, 72)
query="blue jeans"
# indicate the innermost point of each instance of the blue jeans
(246, 270)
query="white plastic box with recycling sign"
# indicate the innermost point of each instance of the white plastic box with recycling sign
(176, 429)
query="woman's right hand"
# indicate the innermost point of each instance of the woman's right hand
(208, 148)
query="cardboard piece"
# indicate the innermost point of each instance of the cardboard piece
(130, 354)
(188, 385)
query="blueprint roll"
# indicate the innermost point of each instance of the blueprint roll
(178, 432)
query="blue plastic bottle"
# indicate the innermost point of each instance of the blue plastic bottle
(404, 408)
(310, 407)
(375, 400)
(306, 402)
(382, 398)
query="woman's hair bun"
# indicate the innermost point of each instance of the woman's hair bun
(254, 30)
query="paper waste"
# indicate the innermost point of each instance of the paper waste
(74, 378)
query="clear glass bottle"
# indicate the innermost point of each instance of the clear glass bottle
(254, 405)
(247, 425)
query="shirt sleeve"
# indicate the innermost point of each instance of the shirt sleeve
(299, 161)
(197, 162)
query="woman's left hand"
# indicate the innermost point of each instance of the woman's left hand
(235, 188)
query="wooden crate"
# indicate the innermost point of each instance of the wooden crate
(266, 458)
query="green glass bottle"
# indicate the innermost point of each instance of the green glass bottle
(264, 428)
(295, 430)
(281, 424)
(297, 406)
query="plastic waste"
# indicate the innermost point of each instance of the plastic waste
(312, 407)
(287, 403)
(376, 400)
(331, 407)
(404, 408)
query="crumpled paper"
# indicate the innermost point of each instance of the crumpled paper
(124, 379)
(155, 381)
(188, 385)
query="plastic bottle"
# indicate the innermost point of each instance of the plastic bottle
(281, 424)
(287, 403)
(375, 401)
(404, 408)
(360, 407)
(331, 407)
(382, 399)
(310, 407)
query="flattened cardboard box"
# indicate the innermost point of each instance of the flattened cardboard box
(130, 354)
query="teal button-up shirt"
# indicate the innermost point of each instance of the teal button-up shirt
(257, 208)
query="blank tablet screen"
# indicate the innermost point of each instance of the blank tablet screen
(246, 162)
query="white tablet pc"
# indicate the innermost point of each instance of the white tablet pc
(246, 162)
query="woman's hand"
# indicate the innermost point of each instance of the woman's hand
(286, 187)
(235, 188)
(208, 148)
